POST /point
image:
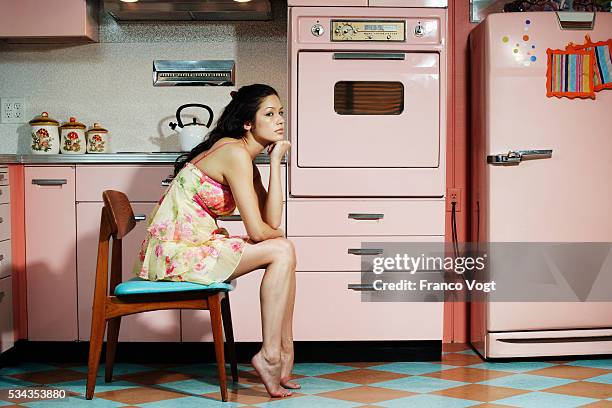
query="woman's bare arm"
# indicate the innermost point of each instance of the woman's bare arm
(239, 175)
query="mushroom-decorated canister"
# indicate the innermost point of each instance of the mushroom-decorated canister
(98, 139)
(45, 135)
(73, 137)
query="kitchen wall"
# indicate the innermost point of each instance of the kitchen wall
(111, 81)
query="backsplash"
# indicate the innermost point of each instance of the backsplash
(111, 82)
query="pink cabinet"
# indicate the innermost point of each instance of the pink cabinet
(50, 253)
(6, 314)
(42, 21)
(246, 318)
(152, 326)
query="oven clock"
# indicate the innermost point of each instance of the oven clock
(368, 30)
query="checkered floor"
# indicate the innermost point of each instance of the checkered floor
(461, 379)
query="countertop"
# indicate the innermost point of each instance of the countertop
(102, 158)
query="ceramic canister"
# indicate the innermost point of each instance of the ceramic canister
(98, 139)
(73, 137)
(45, 135)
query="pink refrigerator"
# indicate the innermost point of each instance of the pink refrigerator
(541, 171)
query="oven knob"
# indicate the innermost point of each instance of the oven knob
(348, 30)
(419, 30)
(317, 30)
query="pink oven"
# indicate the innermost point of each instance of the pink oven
(368, 91)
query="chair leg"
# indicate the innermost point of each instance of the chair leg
(98, 325)
(111, 347)
(214, 303)
(226, 313)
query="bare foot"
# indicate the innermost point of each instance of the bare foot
(286, 368)
(270, 375)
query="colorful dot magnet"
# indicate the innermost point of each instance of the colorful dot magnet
(525, 37)
(533, 58)
(505, 39)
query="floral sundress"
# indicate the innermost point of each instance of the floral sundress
(183, 241)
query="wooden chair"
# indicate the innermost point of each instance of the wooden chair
(138, 295)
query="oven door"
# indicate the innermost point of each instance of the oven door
(368, 110)
(367, 117)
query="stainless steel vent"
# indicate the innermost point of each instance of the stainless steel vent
(177, 10)
(193, 73)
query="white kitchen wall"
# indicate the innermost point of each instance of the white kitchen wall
(111, 82)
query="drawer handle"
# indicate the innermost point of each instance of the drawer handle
(365, 251)
(140, 217)
(1, 220)
(230, 218)
(166, 182)
(361, 287)
(1, 192)
(360, 216)
(2, 176)
(1, 257)
(49, 182)
(2, 296)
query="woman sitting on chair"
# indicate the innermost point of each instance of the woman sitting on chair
(184, 243)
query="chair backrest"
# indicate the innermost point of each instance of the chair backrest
(120, 211)
(116, 221)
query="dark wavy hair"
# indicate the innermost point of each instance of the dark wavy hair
(242, 108)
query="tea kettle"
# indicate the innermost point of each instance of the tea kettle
(191, 134)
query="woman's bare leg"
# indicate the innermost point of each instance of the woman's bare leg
(287, 341)
(278, 257)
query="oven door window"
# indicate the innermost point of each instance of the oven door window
(368, 98)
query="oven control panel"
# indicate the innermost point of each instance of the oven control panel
(368, 30)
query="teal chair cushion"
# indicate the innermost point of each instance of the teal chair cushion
(138, 286)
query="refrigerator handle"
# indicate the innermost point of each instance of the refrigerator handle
(515, 157)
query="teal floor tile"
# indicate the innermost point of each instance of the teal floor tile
(513, 367)
(412, 368)
(101, 386)
(419, 384)
(74, 402)
(200, 370)
(118, 369)
(4, 403)
(313, 369)
(309, 401)
(26, 368)
(605, 379)
(315, 385)
(190, 402)
(527, 382)
(428, 401)
(197, 387)
(599, 363)
(545, 400)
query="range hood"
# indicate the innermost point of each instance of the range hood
(188, 10)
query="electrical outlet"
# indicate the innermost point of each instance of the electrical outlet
(453, 195)
(12, 110)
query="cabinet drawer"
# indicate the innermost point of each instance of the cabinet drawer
(5, 222)
(365, 217)
(4, 177)
(332, 253)
(139, 183)
(6, 314)
(5, 194)
(5, 258)
(326, 310)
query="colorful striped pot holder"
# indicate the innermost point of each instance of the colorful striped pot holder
(602, 63)
(570, 73)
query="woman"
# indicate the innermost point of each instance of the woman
(184, 243)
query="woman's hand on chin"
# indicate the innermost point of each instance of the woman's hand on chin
(278, 149)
